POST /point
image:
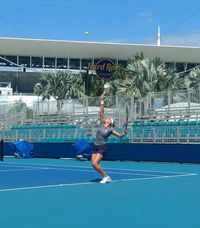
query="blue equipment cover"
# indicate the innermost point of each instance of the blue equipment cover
(82, 147)
(23, 148)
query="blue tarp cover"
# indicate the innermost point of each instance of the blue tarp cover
(83, 147)
(23, 148)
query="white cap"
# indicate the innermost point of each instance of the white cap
(111, 120)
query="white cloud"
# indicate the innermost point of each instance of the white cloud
(186, 39)
(192, 39)
(147, 16)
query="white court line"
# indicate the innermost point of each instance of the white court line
(158, 177)
(89, 167)
(94, 171)
(22, 165)
(79, 170)
(90, 183)
(116, 172)
(15, 170)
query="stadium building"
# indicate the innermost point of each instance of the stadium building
(21, 60)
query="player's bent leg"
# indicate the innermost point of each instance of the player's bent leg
(96, 158)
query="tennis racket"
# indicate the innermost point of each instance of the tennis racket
(125, 126)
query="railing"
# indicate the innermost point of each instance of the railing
(53, 133)
(156, 109)
(82, 111)
(166, 132)
(141, 132)
(10, 114)
(168, 103)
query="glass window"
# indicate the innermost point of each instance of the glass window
(24, 60)
(37, 62)
(2, 61)
(74, 64)
(122, 63)
(62, 63)
(180, 67)
(96, 60)
(10, 60)
(170, 65)
(49, 62)
(85, 63)
(191, 65)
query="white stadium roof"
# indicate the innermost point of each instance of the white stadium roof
(83, 49)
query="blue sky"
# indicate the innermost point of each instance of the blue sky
(127, 21)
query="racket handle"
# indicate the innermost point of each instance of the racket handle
(125, 131)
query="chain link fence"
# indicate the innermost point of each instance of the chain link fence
(84, 110)
(169, 106)
(12, 114)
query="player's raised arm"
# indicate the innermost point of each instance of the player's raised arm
(102, 108)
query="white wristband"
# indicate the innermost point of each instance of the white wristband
(102, 102)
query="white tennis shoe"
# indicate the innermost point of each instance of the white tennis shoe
(105, 180)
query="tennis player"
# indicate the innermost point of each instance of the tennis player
(104, 131)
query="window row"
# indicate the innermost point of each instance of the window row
(51, 63)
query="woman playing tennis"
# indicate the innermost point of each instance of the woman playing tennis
(104, 131)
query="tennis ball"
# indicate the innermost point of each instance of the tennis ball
(86, 33)
(106, 86)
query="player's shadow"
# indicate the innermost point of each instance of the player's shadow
(96, 180)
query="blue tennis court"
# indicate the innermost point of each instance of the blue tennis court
(66, 193)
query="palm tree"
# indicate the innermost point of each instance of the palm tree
(142, 77)
(60, 85)
(95, 86)
(149, 75)
(120, 75)
(138, 78)
(145, 77)
(194, 78)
